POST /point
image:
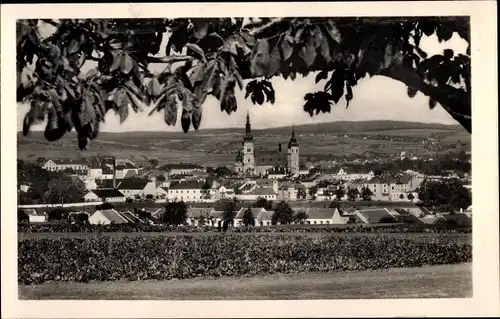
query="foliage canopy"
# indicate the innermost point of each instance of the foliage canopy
(214, 55)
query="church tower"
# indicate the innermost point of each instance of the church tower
(293, 155)
(248, 149)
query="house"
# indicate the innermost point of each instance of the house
(320, 215)
(126, 170)
(404, 216)
(198, 216)
(35, 216)
(264, 218)
(291, 192)
(375, 215)
(180, 169)
(107, 216)
(263, 192)
(188, 191)
(392, 187)
(105, 195)
(277, 173)
(136, 187)
(63, 164)
(340, 218)
(238, 220)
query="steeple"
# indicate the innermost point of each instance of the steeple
(248, 129)
(293, 141)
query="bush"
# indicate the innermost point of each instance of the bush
(104, 258)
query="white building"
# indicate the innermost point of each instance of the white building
(105, 195)
(106, 217)
(63, 164)
(189, 191)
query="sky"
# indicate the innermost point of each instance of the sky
(376, 98)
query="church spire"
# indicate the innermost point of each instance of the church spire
(293, 140)
(248, 129)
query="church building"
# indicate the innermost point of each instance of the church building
(252, 162)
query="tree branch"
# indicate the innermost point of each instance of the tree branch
(455, 101)
(169, 59)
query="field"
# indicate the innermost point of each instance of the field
(243, 265)
(458, 238)
(444, 281)
(219, 147)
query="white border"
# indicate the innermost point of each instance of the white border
(484, 152)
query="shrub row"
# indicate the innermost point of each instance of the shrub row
(129, 228)
(104, 258)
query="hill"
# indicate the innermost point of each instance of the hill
(219, 146)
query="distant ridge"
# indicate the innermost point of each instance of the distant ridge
(340, 127)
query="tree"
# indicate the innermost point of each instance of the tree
(161, 178)
(283, 214)
(442, 195)
(300, 217)
(352, 194)
(335, 204)
(248, 218)
(105, 206)
(229, 212)
(312, 191)
(175, 213)
(22, 216)
(301, 193)
(149, 196)
(220, 54)
(366, 193)
(261, 202)
(401, 196)
(339, 193)
(222, 171)
(410, 197)
(154, 162)
(64, 190)
(57, 214)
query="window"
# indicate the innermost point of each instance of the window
(248, 160)
(314, 222)
(248, 150)
(328, 222)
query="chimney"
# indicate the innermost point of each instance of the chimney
(114, 172)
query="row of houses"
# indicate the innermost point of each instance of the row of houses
(206, 216)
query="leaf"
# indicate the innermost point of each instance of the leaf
(196, 73)
(411, 92)
(259, 61)
(185, 121)
(54, 98)
(287, 49)
(170, 111)
(189, 102)
(127, 63)
(200, 28)
(349, 95)
(325, 51)
(121, 99)
(196, 49)
(73, 46)
(91, 74)
(333, 32)
(322, 75)
(154, 87)
(387, 56)
(87, 113)
(239, 79)
(123, 112)
(27, 124)
(117, 61)
(432, 103)
(274, 61)
(116, 44)
(196, 117)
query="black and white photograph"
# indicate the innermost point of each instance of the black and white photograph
(234, 157)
